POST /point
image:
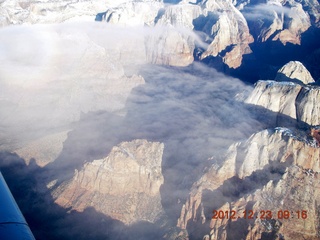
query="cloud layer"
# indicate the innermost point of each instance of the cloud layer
(93, 79)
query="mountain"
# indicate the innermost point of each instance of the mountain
(292, 93)
(274, 170)
(125, 185)
(233, 36)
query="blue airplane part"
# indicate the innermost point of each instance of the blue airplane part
(13, 225)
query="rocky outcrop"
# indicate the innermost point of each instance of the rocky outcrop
(229, 32)
(285, 21)
(43, 11)
(43, 150)
(133, 13)
(274, 164)
(125, 185)
(181, 15)
(171, 41)
(267, 173)
(223, 23)
(295, 22)
(294, 71)
(278, 97)
(283, 209)
(289, 97)
(169, 47)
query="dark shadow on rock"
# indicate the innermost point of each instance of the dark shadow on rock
(49, 221)
(203, 23)
(92, 138)
(172, 1)
(271, 119)
(275, 54)
(280, 77)
(100, 17)
(152, 116)
(268, 57)
(231, 190)
(161, 12)
(165, 110)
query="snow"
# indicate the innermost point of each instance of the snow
(298, 135)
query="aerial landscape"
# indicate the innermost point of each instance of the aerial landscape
(154, 119)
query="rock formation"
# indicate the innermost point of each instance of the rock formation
(222, 25)
(43, 150)
(267, 161)
(275, 171)
(229, 30)
(294, 71)
(44, 11)
(125, 185)
(292, 213)
(284, 21)
(133, 13)
(290, 97)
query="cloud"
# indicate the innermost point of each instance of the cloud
(191, 110)
(51, 74)
(93, 78)
(265, 11)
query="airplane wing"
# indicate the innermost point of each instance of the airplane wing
(13, 225)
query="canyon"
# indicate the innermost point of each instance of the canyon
(147, 119)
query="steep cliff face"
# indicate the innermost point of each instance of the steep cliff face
(222, 29)
(289, 97)
(133, 13)
(173, 42)
(273, 175)
(220, 20)
(285, 21)
(291, 214)
(229, 32)
(125, 185)
(276, 164)
(43, 150)
(19, 12)
(294, 71)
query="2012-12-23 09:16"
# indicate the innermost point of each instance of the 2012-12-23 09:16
(262, 214)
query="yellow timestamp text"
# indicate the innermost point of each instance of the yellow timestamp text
(262, 214)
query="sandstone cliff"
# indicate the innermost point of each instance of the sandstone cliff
(289, 97)
(292, 213)
(133, 13)
(285, 21)
(294, 71)
(125, 185)
(166, 43)
(279, 166)
(44, 11)
(229, 31)
(275, 170)
(211, 29)
(220, 20)
(43, 150)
